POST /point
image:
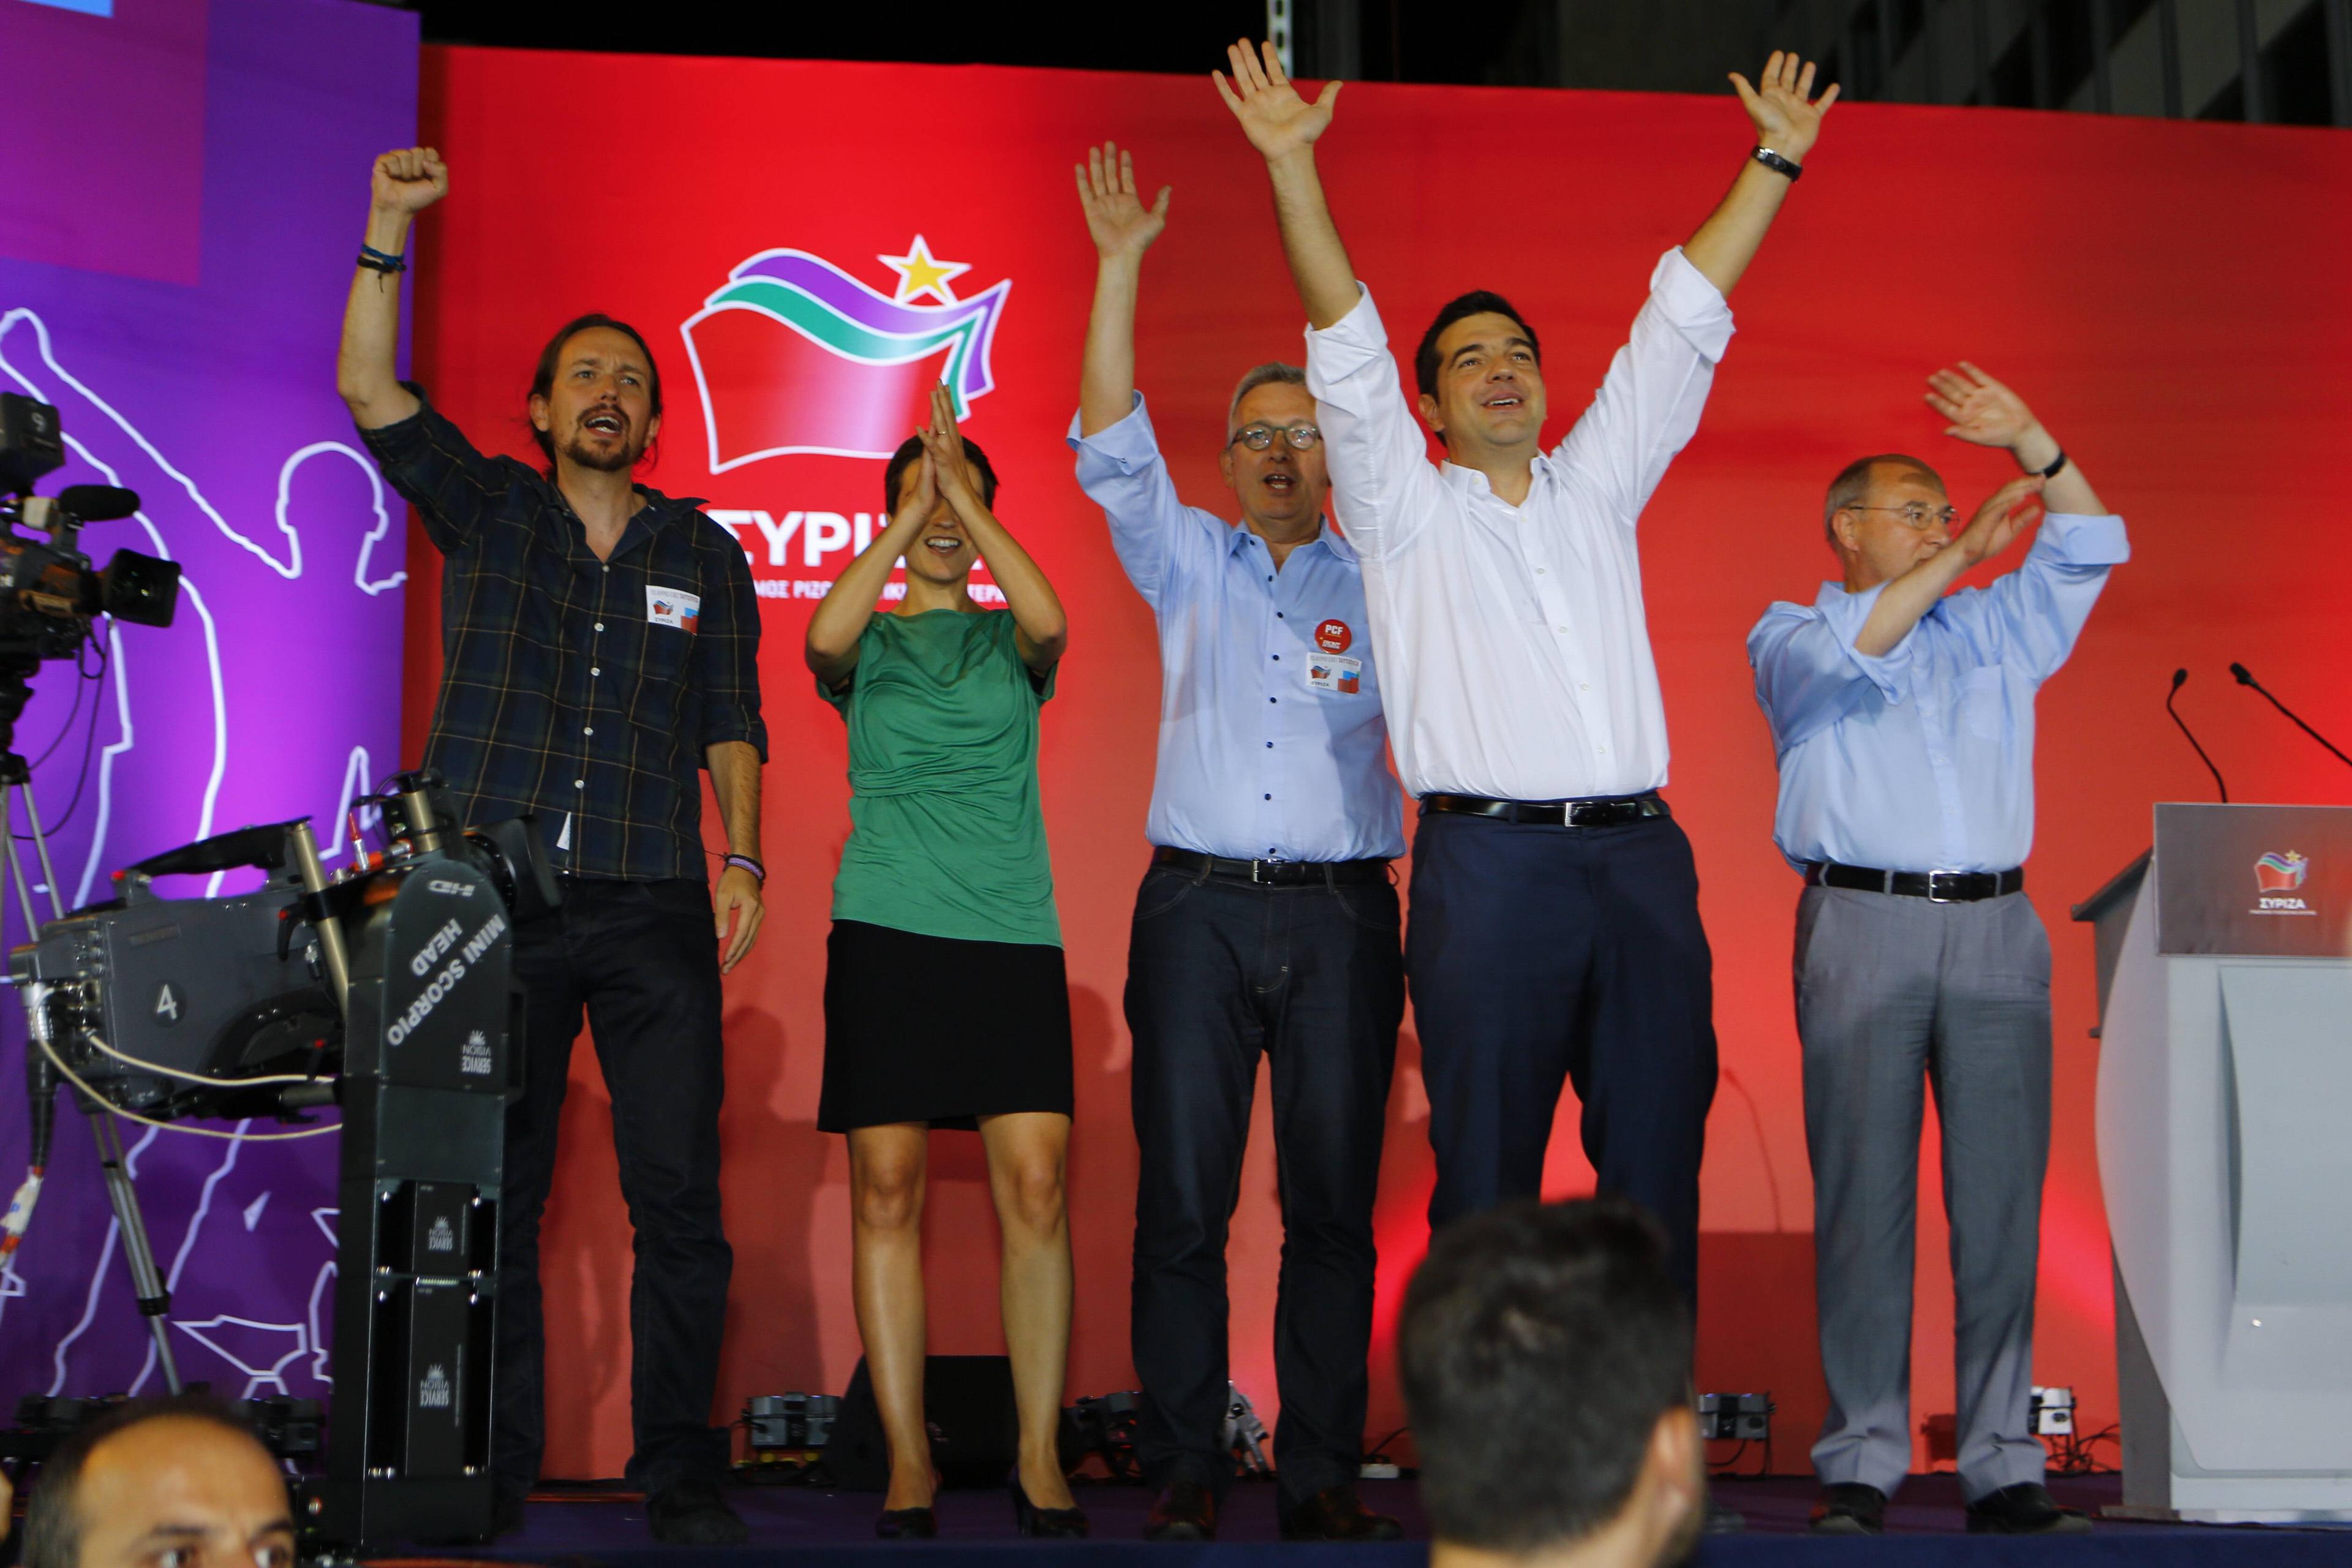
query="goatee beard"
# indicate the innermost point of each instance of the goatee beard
(618, 461)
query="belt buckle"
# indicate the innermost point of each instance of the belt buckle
(1255, 880)
(1936, 898)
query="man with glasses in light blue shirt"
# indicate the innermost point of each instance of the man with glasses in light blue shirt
(1266, 924)
(1903, 719)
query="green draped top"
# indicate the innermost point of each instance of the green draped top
(946, 838)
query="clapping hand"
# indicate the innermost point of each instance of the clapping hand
(409, 181)
(1277, 122)
(1788, 117)
(1981, 409)
(950, 470)
(2006, 513)
(1122, 226)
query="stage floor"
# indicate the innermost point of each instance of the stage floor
(802, 1526)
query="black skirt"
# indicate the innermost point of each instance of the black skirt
(940, 1030)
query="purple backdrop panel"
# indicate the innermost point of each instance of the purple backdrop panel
(108, 118)
(210, 390)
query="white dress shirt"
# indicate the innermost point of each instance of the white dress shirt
(1922, 759)
(1515, 659)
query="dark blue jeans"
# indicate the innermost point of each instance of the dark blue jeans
(640, 959)
(1540, 955)
(1219, 970)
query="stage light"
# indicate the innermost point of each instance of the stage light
(789, 1421)
(1736, 1417)
(2050, 1411)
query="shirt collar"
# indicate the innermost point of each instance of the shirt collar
(1325, 535)
(1475, 482)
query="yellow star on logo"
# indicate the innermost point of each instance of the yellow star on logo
(920, 273)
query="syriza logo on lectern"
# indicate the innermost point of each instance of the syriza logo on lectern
(796, 355)
(2276, 877)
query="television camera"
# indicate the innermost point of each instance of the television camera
(384, 991)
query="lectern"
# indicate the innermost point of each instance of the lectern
(2225, 1151)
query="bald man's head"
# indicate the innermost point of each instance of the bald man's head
(180, 1481)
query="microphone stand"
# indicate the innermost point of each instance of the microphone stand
(2180, 678)
(2245, 680)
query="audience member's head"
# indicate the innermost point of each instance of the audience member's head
(1547, 1373)
(180, 1481)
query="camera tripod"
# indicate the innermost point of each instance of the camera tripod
(40, 1070)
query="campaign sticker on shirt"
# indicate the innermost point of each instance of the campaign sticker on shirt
(672, 606)
(1329, 673)
(1333, 637)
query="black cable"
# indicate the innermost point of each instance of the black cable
(88, 744)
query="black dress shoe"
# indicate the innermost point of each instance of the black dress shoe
(2025, 1509)
(1337, 1514)
(691, 1513)
(907, 1524)
(1849, 1508)
(1185, 1509)
(1063, 1524)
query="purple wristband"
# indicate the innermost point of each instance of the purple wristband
(758, 872)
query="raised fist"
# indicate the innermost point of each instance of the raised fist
(409, 181)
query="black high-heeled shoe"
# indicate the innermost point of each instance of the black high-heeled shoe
(1066, 1523)
(907, 1524)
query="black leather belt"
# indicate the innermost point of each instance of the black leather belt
(1271, 873)
(1937, 886)
(1605, 812)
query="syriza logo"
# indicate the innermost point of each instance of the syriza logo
(795, 355)
(2276, 879)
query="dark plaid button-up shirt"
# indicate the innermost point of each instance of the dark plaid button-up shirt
(581, 691)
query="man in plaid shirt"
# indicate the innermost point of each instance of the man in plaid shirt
(601, 642)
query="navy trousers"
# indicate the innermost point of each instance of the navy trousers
(1220, 972)
(639, 958)
(1542, 955)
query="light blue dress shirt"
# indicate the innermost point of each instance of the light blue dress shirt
(1922, 760)
(1272, 746)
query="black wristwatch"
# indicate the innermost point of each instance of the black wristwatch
(2057, 463)
(1779, 165)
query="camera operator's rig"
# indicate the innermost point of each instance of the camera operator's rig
(384, 990)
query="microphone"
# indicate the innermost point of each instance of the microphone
(97, 503)
(2180, 678)
(2245, 680)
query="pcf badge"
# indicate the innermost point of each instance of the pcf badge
(1333, 635)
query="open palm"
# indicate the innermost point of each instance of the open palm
(1277, 122)
(1120, 224)
(1788, 117)
(1981, 409)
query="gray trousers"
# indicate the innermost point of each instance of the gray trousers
(1892, 992)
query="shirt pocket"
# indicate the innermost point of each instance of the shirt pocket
(1984, 702)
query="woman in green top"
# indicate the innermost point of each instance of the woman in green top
(945, 999)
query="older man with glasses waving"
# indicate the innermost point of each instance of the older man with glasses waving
(1903, 719)
(1266, 924)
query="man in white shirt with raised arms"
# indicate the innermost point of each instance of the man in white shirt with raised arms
(1555, 931)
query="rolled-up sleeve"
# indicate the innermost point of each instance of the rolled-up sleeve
(727, 650)
(1809, 674)
(1648, 406)
(1381, 473)
(1119, 469)
(439, 472)
(2031, 616)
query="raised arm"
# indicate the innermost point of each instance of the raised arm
(2005, 514)
(840, 619)
(1283, 127)
(367, 370)
(1787, 118)
(1042, 630)
(1987, 413)
(1122, 228)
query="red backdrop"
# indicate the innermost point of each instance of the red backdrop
(2170, 297)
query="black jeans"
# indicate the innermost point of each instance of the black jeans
(640, 957)
(1217, 972)
(1544, 954)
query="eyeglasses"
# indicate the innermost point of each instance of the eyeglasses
(1916, 514)
(1258, 438)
